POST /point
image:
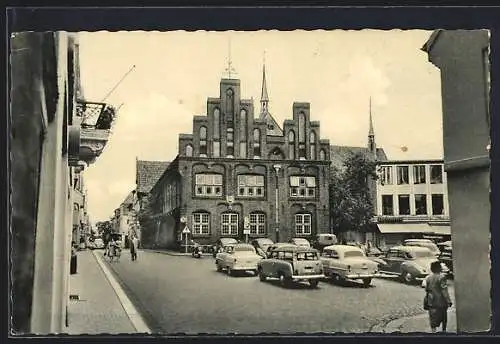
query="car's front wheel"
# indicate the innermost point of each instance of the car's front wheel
(313, 283)
(366, 282)
(407, 277)
(262, 277)
(284, 281)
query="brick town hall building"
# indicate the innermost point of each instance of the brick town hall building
(237, 171)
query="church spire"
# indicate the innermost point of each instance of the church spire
(264, 98)
(372, 147)
(371, 133)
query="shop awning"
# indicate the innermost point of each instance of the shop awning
(440, 230)
(388, 228)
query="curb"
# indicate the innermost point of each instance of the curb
(132, 313)
(172, 253)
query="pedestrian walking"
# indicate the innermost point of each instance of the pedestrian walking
(437, 299)
(134, 244)
(111, 249)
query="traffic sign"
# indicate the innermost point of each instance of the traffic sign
(186, 230)
(246, 231)
(183, 219)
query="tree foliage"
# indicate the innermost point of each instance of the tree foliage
(146, 221)
(351, 202)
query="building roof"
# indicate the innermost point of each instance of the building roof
(430, 42)
(129, 199)
(338, 154)
(148, 173)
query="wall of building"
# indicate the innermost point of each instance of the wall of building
(461, 56)
(27, 136)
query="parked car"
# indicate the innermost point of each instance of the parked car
(300, 242)
(444, 245)
(91, 245)
(410, 263)
(98, 243)
(261, 245)
(277, 245)
(344, 262)
(292, 264)
(323, 240)
(375, 254)
(221, 243)
(446, 257)
(237, 257)
(423, 243)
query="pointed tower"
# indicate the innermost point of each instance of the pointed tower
(273, 129)
(372, 146)
(264, 98)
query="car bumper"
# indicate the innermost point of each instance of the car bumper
(307, 277)
(244, 268)
(359, 276)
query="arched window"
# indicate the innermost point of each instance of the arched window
(243, 133)
(189, 150)
(312, 145)
(322, 154)
(258, 224)
(203, 141)
(201, 223)
(230, 140)
(302, 135)
(291, 145)
(229, 104)
(256, 143)
(216, 123)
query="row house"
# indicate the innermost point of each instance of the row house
(238, 175)
(55, 134)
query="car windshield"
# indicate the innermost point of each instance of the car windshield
(420, 254)
(307, 256)
(228, 241)
(354, 253)
(243, 248)
(265, 242)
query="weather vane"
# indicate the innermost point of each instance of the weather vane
(229, 69)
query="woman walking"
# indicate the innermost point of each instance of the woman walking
(437, 300)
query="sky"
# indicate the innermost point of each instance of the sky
(336, 71)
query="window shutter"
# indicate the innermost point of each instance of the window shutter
(260, 181)
(294, 181)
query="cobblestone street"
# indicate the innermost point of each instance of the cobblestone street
(186, 295)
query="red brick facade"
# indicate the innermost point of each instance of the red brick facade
(225, 175)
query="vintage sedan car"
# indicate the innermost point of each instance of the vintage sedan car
(261, 245)
(221, 243)
(322, 240)
(292, 264)
(344, 262)
(410, 263)
(98, 243)
(446, 257)
(237, 257)
(277, 245)
(300, 242)
(423, 243)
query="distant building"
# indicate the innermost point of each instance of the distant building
(238, 174)
(412, 201)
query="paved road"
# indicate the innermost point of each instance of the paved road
(187, 295)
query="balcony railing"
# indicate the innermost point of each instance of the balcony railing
(411, 218)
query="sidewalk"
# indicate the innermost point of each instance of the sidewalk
(97, 303)
(417, 323)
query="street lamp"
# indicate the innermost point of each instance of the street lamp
(277, 169)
